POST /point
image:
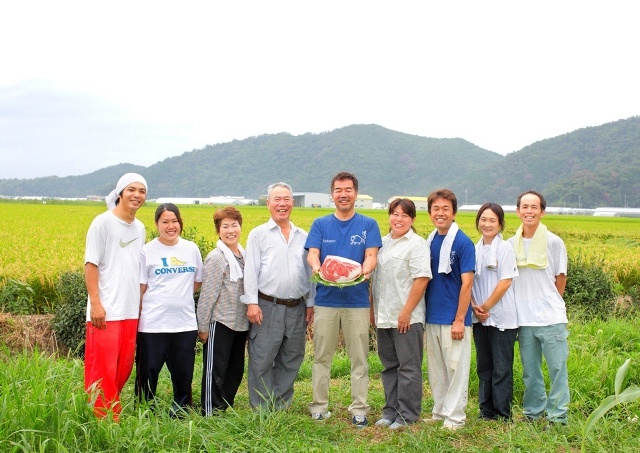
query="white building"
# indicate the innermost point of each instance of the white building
(616, 212)
(225, 200)
(420, 202)
(364, 201)
(312, 200)
(323, 200)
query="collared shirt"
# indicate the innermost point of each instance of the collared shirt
(220, 297)
(276, 267)
(400, 261)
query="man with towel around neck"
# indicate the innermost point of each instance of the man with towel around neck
(541, 257)
(448, 296)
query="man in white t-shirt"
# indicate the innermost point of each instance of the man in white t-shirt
(541, 257)
(112, 259)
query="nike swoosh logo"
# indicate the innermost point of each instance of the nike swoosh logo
(124, 244)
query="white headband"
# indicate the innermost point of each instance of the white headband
(123, 182)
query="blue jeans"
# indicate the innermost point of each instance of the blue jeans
(550, 341)
(494, 364)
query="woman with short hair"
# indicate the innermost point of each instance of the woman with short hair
(222, 319)
(398, 311)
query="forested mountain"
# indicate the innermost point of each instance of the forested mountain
(386, 162)
(592, 167)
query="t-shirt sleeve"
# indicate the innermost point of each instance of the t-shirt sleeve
(95, 243)
(314, 238)
(143, 268)
(199, 264)
(373, 235)
(507, 262)
(467, 258)
(560, 256)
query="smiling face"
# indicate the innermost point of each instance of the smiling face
(169, 228)
(489, 225)
(230, 231)
(344, 196)
(132, 197)
(442, 215)
(280, 203)
(400, 222)
(530, 211)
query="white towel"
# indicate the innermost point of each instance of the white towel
(493, 248)
(444, 265)
(235, 271)
(123, 182)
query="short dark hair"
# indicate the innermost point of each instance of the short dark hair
(228, 212)
(407, 206)
(497, 210)
(445, 194)
(342, 176)
(171, 208)
(543, 202)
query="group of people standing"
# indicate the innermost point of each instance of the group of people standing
(496, 292)
(141, 307)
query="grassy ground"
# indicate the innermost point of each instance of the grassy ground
(43, 408)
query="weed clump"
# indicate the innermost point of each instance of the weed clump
(590, 291)
(69, 322)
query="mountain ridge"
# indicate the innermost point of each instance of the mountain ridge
(590, 167)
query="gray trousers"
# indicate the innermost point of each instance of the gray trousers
(401, 356)
(276, 350)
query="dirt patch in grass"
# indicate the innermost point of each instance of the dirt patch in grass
(28, 332)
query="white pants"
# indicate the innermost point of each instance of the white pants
(448, 364)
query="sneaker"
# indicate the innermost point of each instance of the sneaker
(431, 421)
(397, 425)
(384, 422)
(450, 427)
(359, 421)
(319, 416)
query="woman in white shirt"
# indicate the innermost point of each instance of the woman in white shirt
(495, 325)
(398, 311)
(170, 273)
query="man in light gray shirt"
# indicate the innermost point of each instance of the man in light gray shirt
(279, 297)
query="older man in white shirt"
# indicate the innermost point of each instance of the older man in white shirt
(280, 298)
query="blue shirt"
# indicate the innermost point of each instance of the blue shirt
(348, 239)
(443, 291)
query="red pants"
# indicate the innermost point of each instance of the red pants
(109, 355)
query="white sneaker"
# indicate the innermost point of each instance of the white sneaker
(397, 425)
(451, 427)
(319, 416)
(384, 422)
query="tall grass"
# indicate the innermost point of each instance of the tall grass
(43, 408)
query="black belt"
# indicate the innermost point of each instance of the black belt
(275, 300)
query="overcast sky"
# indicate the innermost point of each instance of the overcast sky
(84, 85)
